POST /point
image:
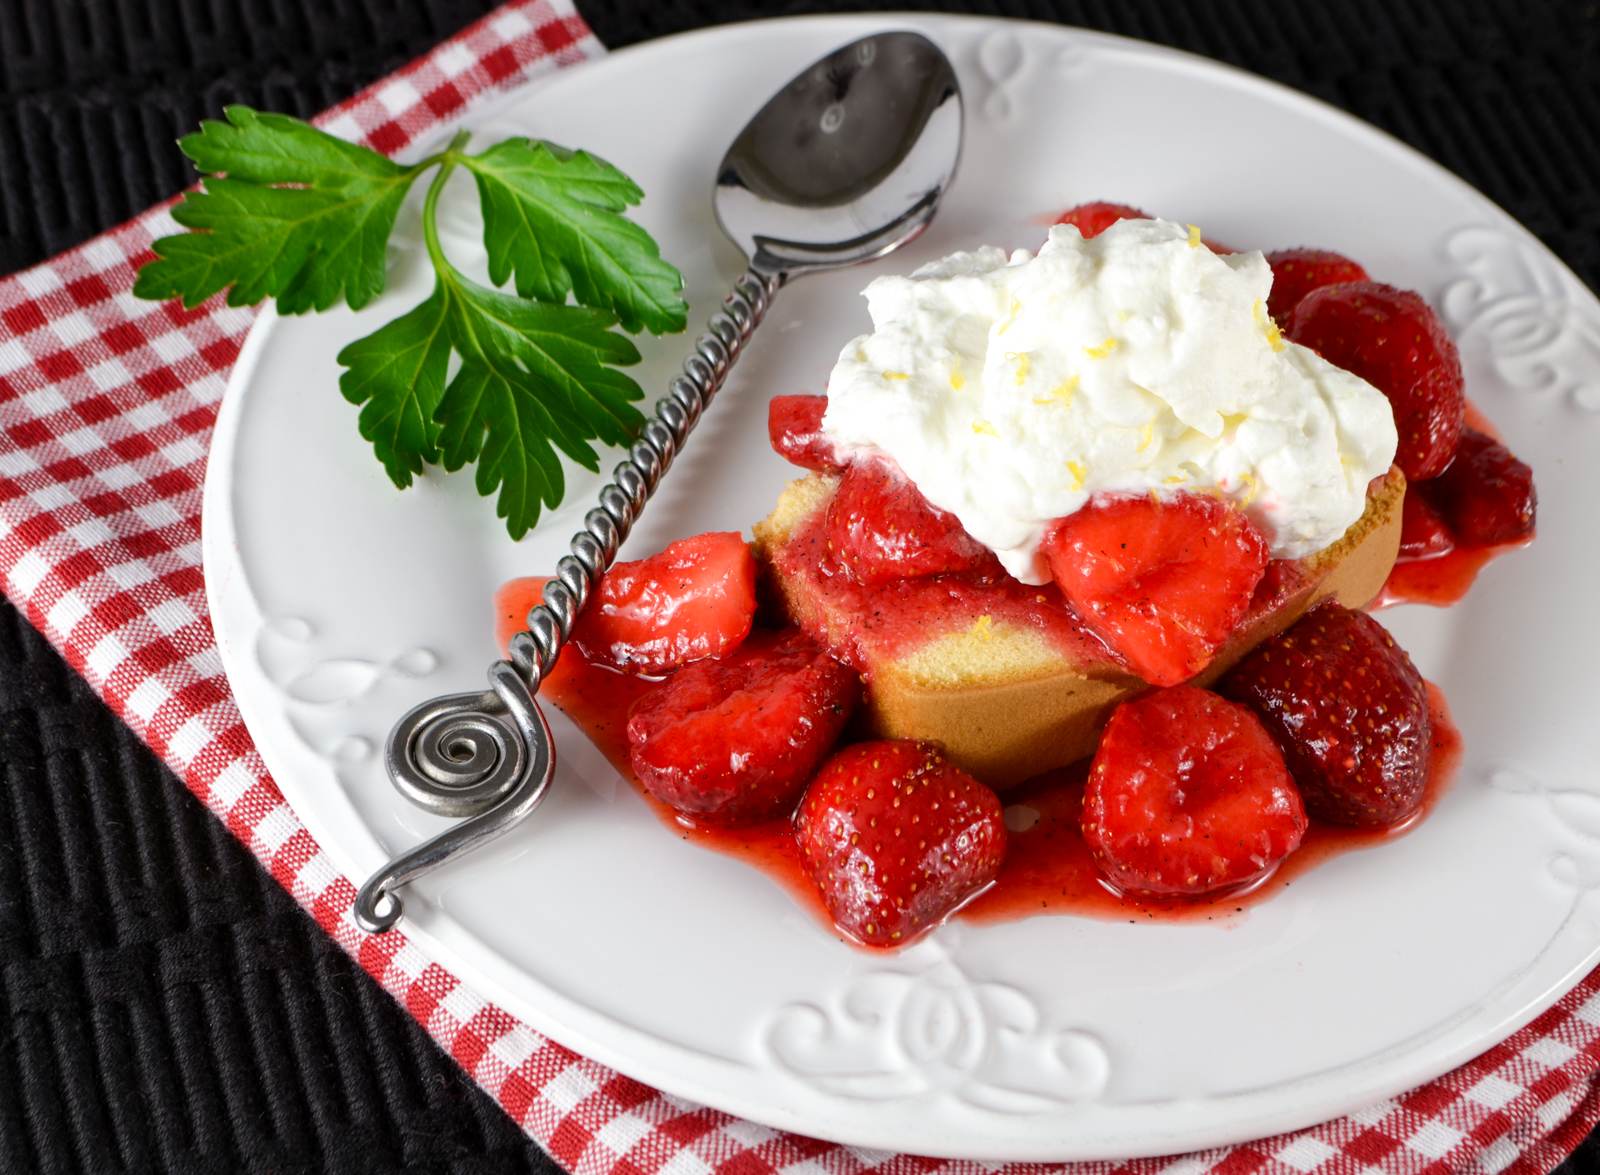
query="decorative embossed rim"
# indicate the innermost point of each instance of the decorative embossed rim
(940, 1017)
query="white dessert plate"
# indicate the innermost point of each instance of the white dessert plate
(339, 603)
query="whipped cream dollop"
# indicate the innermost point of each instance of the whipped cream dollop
(1011, 389)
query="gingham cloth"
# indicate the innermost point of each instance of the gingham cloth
(106, 410)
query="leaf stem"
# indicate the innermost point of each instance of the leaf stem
(447, 164)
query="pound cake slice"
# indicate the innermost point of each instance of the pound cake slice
(1002, 673)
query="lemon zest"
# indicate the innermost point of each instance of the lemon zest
(896, 375)
(1078, 474)
(1103, 349)
(983, 627)
(984, 429)
(1061, 394)
(1024, 365)
(1268, 327)
(1194, 236)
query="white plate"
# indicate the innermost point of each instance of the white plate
(339, 602)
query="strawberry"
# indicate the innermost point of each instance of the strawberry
(794, 426)
(1423, 533)
(881, 528)
(696, 598)
(734, 740)
(1188, 794)
(1163, 582)
(1095, 217)
(1394, 341)
(1296, 272)
(896, 838)
(1349, 711)
(1486, 495)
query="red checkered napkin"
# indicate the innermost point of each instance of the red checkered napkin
(106, 409)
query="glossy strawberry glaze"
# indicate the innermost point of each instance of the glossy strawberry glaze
(1444, 579)
(1441, 580)
(896, 618)
(1047, 867)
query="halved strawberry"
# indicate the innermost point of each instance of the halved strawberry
(1486, 495)
(794, 427)
(696, 598)
(1392, 339)
(1349, 711)
(735, 740)
(1162, 582)
(1296, 272)
(1423, 534)
(881, 528)
(896, 837)
(1187, 795)
(1096, 216)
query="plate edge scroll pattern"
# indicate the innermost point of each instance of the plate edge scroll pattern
(935, 1033)
(1537, 328)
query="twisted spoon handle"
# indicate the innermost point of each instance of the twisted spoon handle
(607, 526)
(489, 756)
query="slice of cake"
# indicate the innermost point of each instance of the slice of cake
(1003, 674)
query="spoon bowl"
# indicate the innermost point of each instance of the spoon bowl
(844, 164)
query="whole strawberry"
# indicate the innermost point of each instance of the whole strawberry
(734, 740)
(896, 838)
(1296, 272)
(1188, 795)
(1348, 709)
(1394, 341)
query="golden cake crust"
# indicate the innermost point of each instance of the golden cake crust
(1006, 703)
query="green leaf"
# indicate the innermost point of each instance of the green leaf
(533, 378)
(286, 211)
(397, 375)
(552, 219)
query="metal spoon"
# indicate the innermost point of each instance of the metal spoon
(845, 163)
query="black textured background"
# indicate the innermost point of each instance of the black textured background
(163, 1005)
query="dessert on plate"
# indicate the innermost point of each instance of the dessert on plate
(1066, 612)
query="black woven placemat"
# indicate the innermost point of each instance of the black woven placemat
(164, 1006)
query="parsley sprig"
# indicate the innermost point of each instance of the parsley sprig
(472, 375)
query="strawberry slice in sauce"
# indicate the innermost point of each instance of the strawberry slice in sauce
(1486, 495)
(1423, 534)
(880, 528)
(1163, 582)
(794, 427)
(695, 598)
(736, 740)
(1188, 794)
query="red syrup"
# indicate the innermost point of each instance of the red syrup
(1047, 868)
(1445, 579)
(1441, 580)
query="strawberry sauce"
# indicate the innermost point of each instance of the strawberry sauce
(1047, 868)
(1441, 580)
